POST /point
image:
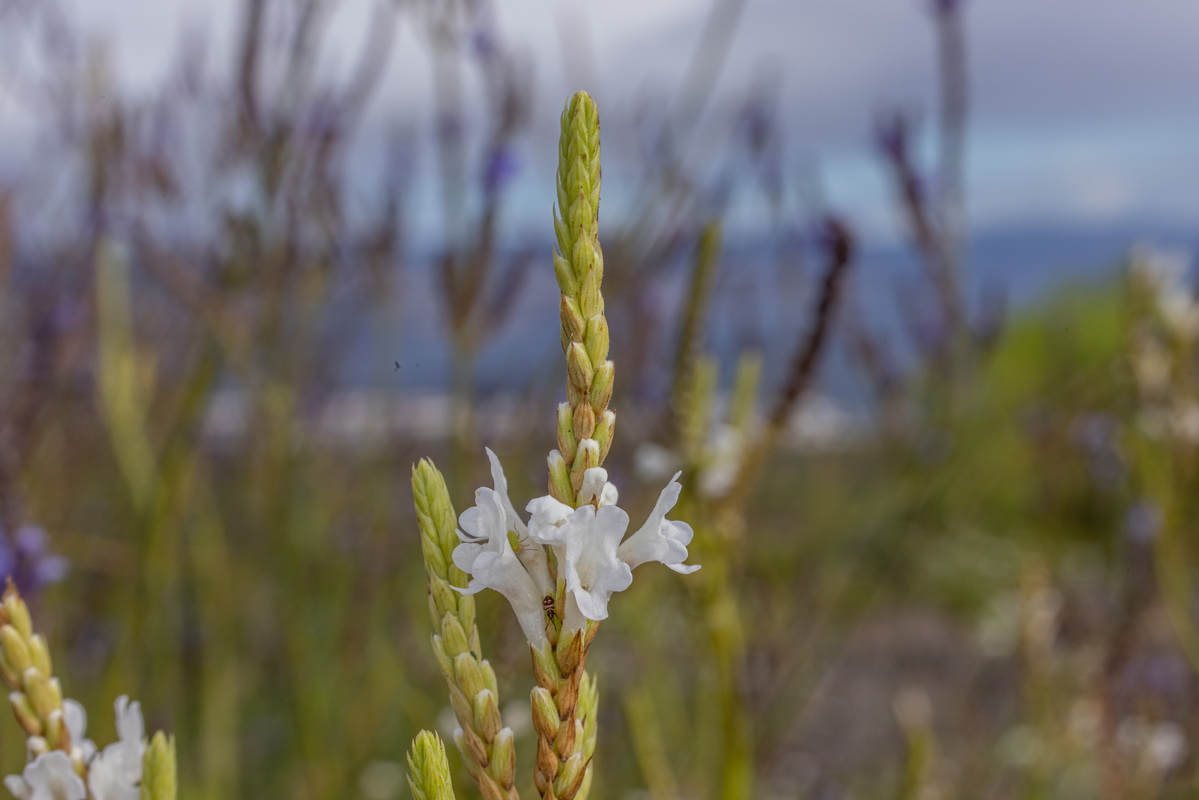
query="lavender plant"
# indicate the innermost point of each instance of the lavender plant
(559, 567)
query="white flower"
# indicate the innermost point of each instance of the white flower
(50, 776)
(661, 539)
(486, 554)
(116, 772)
(472, 532)
(592, 569)
(501, 552)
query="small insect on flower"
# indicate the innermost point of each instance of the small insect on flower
(547, 603)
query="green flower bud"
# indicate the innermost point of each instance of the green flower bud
(468, 675)
(158, 769)
(453, 636)
(570, 776)
(503, 758)
(545, 713)
(15, 651)
(560, 486)
(25, 713)
(429, 769)
(39, 653)
(487, 715)
(605, 429)
(601, 386)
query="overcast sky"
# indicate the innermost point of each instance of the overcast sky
(1082, 111)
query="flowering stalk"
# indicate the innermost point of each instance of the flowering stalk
(486, 745)
(560, 566)
(585, 430)
(36, 695)
(63, 763)
(585, 425)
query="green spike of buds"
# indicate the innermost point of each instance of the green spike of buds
(158, 769)
(579, 267)
(429, 769)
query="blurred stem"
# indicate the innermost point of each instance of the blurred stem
(707, 256)
(951, 42)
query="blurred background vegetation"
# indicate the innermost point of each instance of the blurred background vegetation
(946, 512)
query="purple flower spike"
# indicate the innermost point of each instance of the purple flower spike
(502, 166)
(27, 558)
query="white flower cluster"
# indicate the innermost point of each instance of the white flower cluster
(501, 551)
(114, 773)
(1167, 274)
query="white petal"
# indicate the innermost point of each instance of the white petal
(547, 517)
(593, 484)
(131, 728)
(468, 524)
(592, 570)
(74, 716)
(464, 556)
(501, 488)
(18, 788)
(609, 495)
(660, 539)
(51, 777)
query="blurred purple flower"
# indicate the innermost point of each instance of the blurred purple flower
(1095, 434)
(27, 559)
(483, 43)
(946, 6)
(502, 166)
(1142, 522)
(891, 137)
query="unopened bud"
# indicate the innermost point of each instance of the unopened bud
(15, 650)
(40, 654)
(584, 421)
(454, 636)
(570, 775)
(573, 324)
(487, 715)
(596, 339)
(158, 769)
(566, 434)
(469, 676)
(565, 274)
(503, 758)
(545, 713)
(605, 430)
(41, 691)
(18, 612)
(601, 386)
(586, 456)
(560, 488)
(25, 713)
(578, 367)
